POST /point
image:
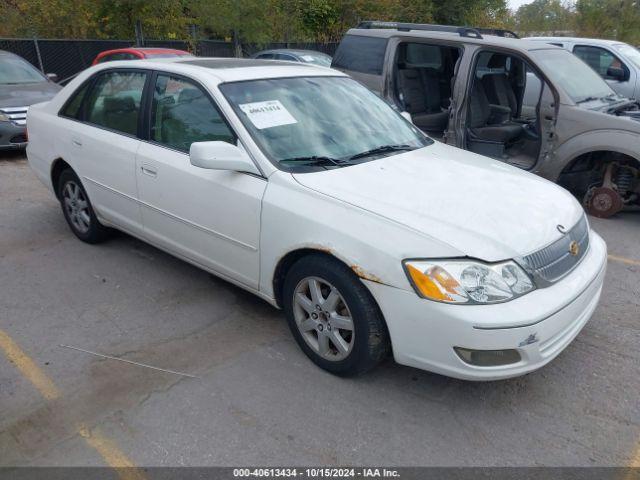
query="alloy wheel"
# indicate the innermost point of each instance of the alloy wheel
(323, 318)
(76, 206)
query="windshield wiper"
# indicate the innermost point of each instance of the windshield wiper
(587, 99)
(315, 161)
(382, 149)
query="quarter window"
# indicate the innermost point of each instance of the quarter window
(182, 114)
(72, 107)
(114, 101)
(599, 59)
(360, 54)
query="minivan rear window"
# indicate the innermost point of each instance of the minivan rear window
(360, 54)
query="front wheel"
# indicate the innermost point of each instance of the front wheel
(333, 317)
(78, 211)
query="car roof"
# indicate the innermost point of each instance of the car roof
(295, 51)
(157, 50)
(595, 41)
(227, 69)
(9, 54)
(493, 40)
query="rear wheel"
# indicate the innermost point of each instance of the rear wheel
(333, 317)
(77, 209)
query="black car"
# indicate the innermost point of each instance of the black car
(21, 85)
(291, 55)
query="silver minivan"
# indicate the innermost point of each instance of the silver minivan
(528, 104)
(616, 62)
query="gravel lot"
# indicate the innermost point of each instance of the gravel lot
(256, 399)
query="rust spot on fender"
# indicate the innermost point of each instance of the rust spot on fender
(362, 273)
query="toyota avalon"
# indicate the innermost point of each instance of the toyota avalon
(301, 186)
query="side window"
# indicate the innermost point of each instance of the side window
(181, 114)
(598, 58)
(72, 108)
(360, 54)
(117, 56)
(265, 56)
(114, 101)
(425, 56)
(283, 56)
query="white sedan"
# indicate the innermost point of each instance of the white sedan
(298, 184)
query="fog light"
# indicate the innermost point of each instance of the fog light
(488, 358)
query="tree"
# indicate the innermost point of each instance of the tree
(474, 13)
(618, 19)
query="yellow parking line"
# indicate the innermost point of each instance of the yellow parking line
(635, 461)
(628, 261)
(112, 456)
(28, 367)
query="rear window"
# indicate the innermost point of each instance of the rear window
(360, 54)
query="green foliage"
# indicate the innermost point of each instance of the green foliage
(544, 16)
(616, 19)
(261, 21)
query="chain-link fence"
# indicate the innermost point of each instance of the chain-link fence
(66, 58)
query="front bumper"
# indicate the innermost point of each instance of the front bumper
(12, 137)
(538, 325)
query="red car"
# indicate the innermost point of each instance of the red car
(136, 53)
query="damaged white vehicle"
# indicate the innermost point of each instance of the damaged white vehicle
(300, 185)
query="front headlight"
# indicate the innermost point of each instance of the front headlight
(3, 117)
(467, 281)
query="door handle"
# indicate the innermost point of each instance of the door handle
(76, 142)
(147, 170)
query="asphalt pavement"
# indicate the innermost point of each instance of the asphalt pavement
(242, 393)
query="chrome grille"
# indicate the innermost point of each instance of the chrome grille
(554, 261)
(17, 115)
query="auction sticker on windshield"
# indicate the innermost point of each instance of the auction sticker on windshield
(267, 114)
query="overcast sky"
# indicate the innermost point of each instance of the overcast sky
(515, 4)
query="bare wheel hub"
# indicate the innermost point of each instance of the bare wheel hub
(604, 202)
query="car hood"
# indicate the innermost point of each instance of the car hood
(27, 94)
(483, 208)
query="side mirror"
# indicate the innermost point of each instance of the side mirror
(617, 73)
(53, 77)
(221, 156)
(407, 116)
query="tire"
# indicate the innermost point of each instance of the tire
(77, 209)
(362, 347)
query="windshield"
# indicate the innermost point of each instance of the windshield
(298, 120)
(574, 76)
(632, 53)
(317, 59)
(14, 71)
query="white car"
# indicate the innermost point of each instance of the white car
(300, 185)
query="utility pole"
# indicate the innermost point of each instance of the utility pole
(139, 34)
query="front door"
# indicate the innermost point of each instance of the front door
(211, 217)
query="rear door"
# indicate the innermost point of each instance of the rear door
(211, 217)
(104, 144)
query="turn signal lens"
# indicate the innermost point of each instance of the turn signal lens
(436, 283)
(468, 281)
